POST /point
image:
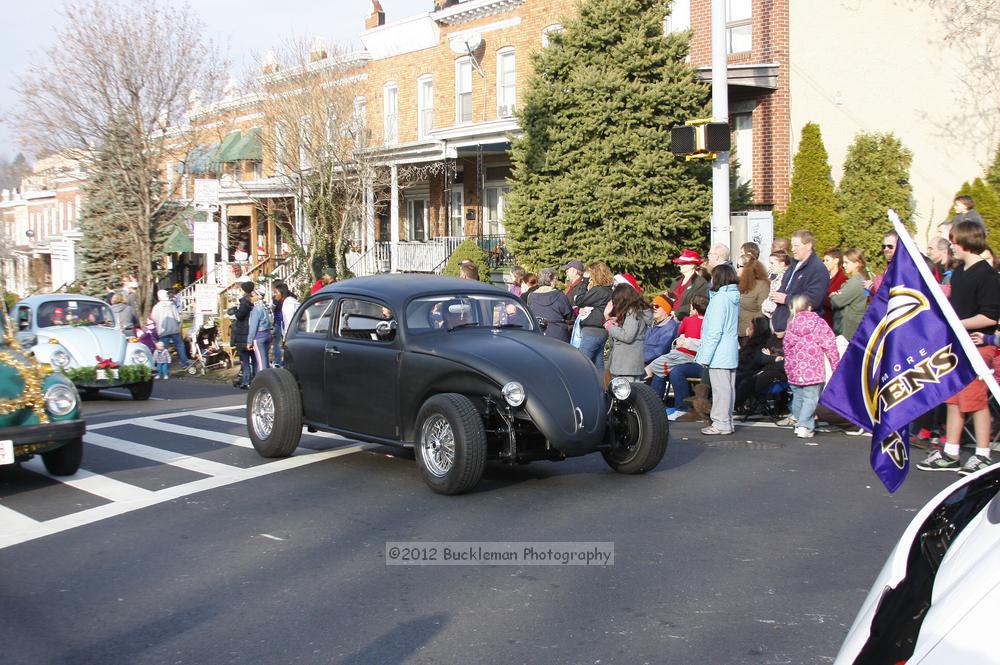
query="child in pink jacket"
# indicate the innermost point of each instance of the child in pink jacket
(808, 340)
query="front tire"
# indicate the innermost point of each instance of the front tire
(65, 460)
(274, 413)
(640, 430)
(451, 444)
(141, 391)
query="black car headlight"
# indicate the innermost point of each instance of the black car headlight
(513, 393)
(60, 400)
(59, 359)
(620, 387)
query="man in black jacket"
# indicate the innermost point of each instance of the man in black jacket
(807, 277)
(238, 335)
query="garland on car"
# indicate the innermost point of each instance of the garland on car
(126, 374)
(33, 375)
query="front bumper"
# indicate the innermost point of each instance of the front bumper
(32, 439)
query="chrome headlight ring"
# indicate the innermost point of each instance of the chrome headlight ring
(620, 387)
(59, 359)
(513, 393)
(139, 357)
(60, 400)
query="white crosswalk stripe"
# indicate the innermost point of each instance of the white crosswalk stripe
(123, 497)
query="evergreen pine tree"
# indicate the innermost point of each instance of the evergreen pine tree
(876, 178)
(593, 174)
(740, 194)
(812, 201)
(115, 237)
(993, 173)
(987, 202)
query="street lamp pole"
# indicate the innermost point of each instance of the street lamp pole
(721, 224)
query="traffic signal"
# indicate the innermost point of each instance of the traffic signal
(700, 138)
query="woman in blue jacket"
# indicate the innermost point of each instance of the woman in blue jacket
(720, 349)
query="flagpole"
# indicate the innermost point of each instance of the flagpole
(982, 369)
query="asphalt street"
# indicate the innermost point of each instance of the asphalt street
(181, 545)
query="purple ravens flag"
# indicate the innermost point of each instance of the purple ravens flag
(907, 357)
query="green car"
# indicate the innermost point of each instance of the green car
(39, 411)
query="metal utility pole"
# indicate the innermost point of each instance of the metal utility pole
(720, 113)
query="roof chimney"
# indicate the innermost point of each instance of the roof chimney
(444, 4)
(376, 16)
(318, 51)
(270, 63)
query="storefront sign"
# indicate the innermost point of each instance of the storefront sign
(206, 298)
(206, 237)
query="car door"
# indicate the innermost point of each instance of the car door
(361, 367)
(22, 324)
(306, 349)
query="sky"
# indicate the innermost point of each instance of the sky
(242, 28)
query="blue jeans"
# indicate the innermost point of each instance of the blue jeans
(678, 378)
(804, 401)
(592, 346)
(246, 364)
(178, 343)
(276, 346)
(261, 353)
(163, 370)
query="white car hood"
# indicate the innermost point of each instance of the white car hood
(85, 343)
(960, 625)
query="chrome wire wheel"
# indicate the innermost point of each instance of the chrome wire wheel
(262, 414)
(437, 445)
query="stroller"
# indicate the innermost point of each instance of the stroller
(206, 353)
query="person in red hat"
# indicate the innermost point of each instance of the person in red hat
(627, 278)
(690, 284)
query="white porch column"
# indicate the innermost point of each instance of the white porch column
(394, 217)
(223, 244)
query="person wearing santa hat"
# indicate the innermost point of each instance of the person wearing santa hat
(691, 283)
(627, 278)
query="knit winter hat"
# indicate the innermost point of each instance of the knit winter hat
(664, 304)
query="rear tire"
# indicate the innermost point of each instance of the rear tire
(65, 460)
(274, 413)
(141, 391)
(640, 431)
(451, 444)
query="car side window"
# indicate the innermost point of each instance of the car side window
(23, 318)
(366, 320)
(316, 318)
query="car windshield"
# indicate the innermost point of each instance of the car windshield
(71, 312)
(454, 311)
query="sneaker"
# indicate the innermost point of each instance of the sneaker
(973, 464)
(855, 432)
(712, 431)
(676, 414)
(787, 421)
(166, 377)
(804, 433)
(938, 461)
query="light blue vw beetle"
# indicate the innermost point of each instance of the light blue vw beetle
(76, 335)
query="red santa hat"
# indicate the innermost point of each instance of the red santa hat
(626, 278)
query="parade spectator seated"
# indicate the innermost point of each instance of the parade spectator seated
(659, 338)
(761, 365)
(685, 346)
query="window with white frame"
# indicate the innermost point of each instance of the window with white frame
(360, 121)
(743, 130)
(390, 113)
(425, 105)
(506, 83)
(463, 90)
(305, 140)
(456, 214)
(548, 30)
(679, 19)
(417, 216)
(739, 25)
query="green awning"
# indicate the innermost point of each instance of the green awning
(201, 159)
(226, 150)
(248, 147)
(178, 242)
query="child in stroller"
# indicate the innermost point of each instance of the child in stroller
(206, 352)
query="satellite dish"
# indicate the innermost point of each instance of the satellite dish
(465, 43)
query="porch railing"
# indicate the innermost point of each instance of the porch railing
(430, 256)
